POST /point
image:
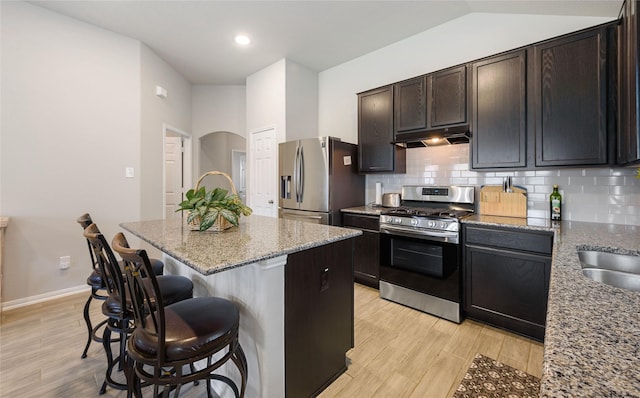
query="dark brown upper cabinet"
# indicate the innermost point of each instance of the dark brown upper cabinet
(570, 108)
(499, 111)
(410, 104)
(549, 104)
(447, 100)
(433, 101)
(376, 153)
(628, 148)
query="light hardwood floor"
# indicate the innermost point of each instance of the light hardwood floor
(399, 352)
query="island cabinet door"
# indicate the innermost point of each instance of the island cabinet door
(318, 317)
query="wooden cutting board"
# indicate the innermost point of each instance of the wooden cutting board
(495, 202)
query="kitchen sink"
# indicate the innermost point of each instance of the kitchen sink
(619, 270)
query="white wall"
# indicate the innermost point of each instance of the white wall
(175, 111)
(301, 102)
(461, 40)
(78, 107)
(283, 95)
(266, 100)
(216, 108)
(70, 125)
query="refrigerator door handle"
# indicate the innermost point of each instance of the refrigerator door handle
(301, 169)
(296, 174)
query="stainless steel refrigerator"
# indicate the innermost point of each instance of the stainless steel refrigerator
(318, 177)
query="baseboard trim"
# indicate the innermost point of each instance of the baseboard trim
(40, 298)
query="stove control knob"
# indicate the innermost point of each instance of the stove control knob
(443, 225)
(414, 222)
(397, 220)
(432, 224)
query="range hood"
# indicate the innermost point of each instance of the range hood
(445, 136)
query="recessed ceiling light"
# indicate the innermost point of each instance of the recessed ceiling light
(242, 40)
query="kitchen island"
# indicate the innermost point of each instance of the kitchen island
(592, 339)
(293, 282)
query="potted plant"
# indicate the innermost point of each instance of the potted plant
(216, 209)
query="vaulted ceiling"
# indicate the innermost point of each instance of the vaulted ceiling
(196, 37)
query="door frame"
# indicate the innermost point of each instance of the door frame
(187, 166)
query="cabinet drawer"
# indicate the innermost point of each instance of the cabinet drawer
(531, 241)
(371, 223)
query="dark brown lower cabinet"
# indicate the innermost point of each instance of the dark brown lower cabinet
(318, 317)
(366, 257)
(506, 278)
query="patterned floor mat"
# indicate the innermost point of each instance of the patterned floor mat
(489, 378)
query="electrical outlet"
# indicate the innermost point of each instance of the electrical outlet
(65, 262)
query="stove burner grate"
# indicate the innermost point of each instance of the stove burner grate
(427, 212)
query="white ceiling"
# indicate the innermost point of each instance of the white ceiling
(196, 37)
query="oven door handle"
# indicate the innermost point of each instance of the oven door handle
(439, 236)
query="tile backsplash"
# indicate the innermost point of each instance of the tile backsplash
(604, 195)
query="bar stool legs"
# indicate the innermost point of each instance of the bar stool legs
(92, 331)
(123, 328)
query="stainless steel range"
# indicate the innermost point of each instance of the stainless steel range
(420, 254)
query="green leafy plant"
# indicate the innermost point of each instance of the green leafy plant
(206, 206)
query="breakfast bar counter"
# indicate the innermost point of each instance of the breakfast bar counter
(293, 283)
(257, 238)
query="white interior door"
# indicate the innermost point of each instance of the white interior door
(173, 166)
(263, 172)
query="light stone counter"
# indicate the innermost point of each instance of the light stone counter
(592, 340)
(256, 238)
(370, 210)
(246, 265)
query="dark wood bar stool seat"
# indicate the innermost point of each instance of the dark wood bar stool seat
(171, 338)
(118, 306)
(98, 288)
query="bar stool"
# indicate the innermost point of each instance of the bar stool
(98, 288)
(167, 338)
(117, 306)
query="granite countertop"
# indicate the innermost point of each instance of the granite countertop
(592, 340)
(256, 238)
(372, 210)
